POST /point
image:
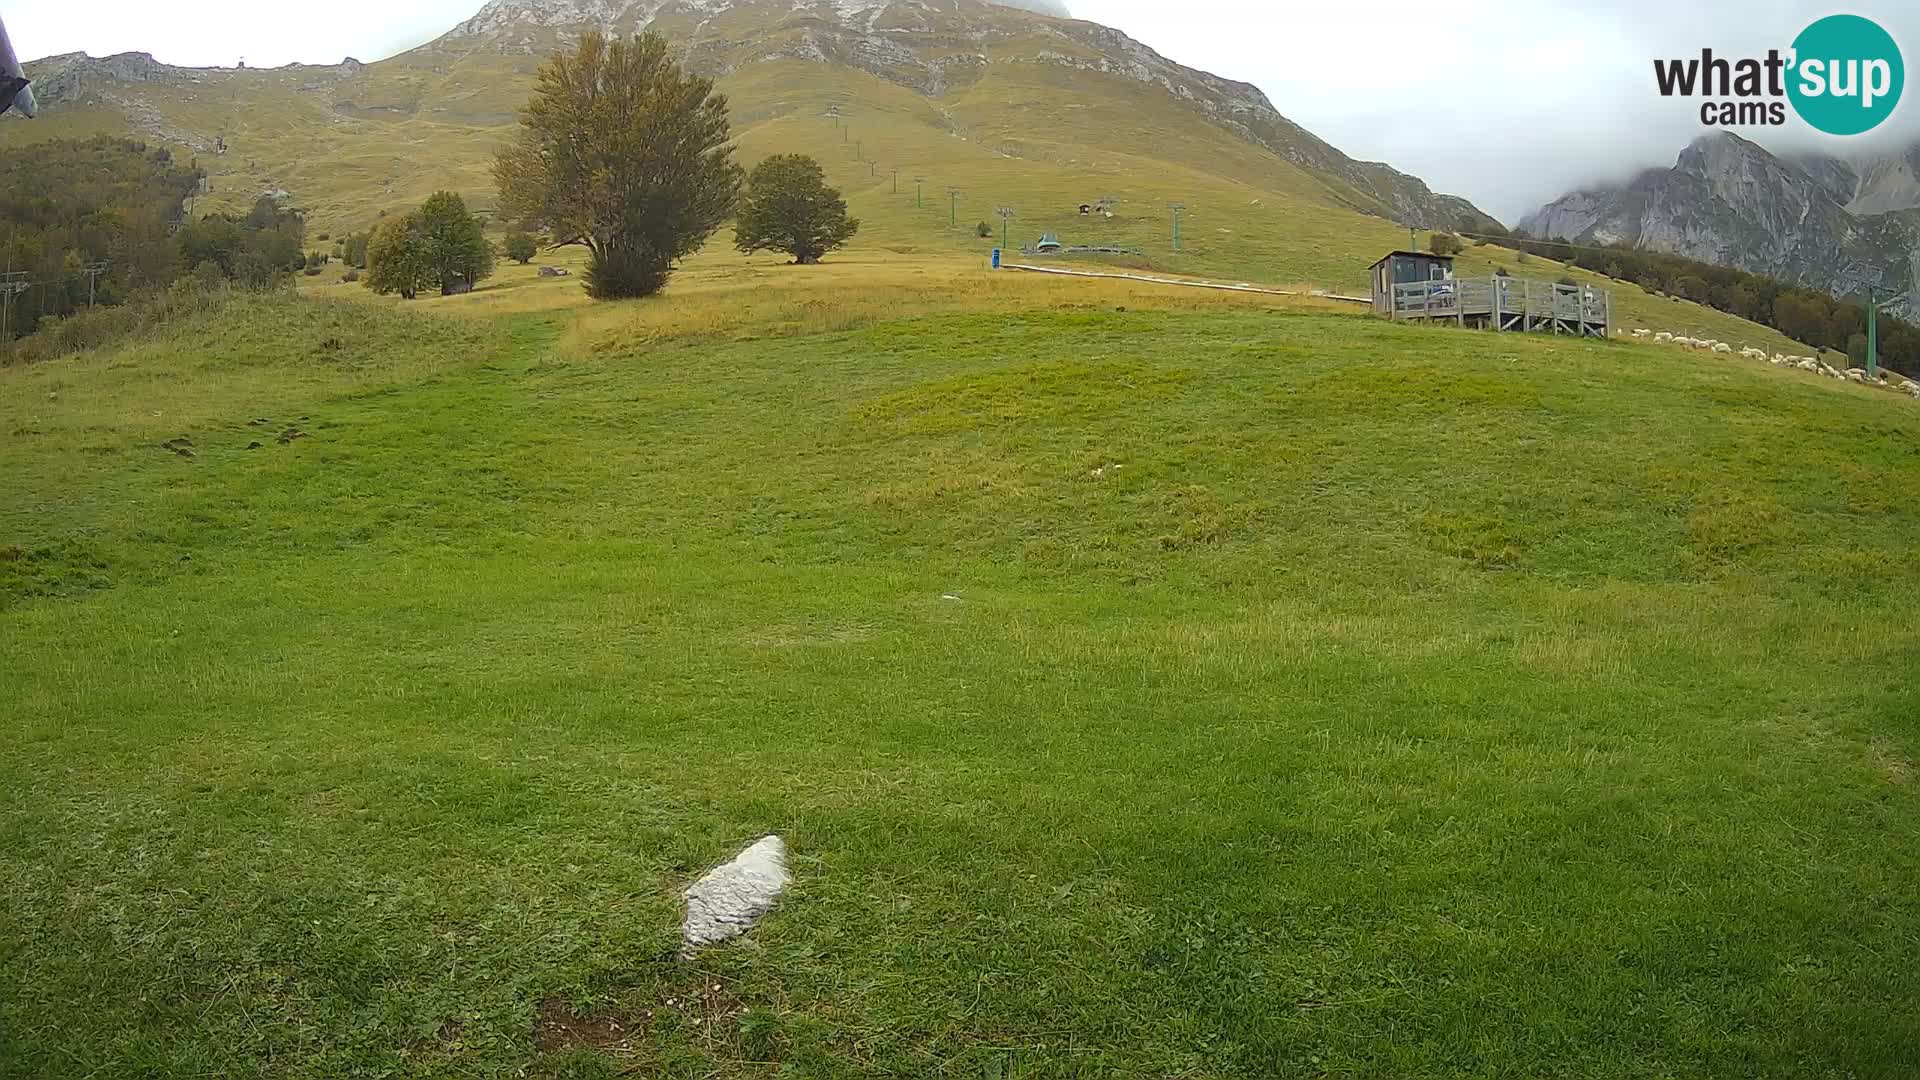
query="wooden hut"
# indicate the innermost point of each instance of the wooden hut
(1406, 268)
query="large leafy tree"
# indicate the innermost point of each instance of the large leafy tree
(790, 208)
(397, 258)
(457, 251)
(622, 151)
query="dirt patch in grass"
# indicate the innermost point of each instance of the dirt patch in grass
(558, 1028)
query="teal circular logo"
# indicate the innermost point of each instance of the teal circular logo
(1847, 75)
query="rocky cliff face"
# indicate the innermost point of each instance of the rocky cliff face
(1816, 221)
(935, 47)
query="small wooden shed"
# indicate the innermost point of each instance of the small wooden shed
(1406, 268)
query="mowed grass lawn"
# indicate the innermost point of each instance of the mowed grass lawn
(1142, 693)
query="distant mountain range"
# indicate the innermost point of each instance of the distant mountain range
(1812, 220)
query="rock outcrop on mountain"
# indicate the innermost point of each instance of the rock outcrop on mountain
(76, 78)
(1817, 221)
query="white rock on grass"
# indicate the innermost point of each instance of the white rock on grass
(731, 898)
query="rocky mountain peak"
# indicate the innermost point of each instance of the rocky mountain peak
(1810, 220)
(632, 16)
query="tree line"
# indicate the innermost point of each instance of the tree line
(1812, 317)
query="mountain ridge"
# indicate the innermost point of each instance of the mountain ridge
(877, 36)
(935, 48)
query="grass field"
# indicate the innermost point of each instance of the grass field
(1148, 684)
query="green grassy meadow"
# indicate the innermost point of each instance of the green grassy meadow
(1146, 687)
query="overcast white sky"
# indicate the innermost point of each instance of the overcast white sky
(1509, 104)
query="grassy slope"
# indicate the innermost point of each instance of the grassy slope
(1322, 697)
(1039, 138)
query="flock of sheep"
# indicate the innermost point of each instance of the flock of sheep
(1804, 363)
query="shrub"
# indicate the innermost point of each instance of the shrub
(324, 237)
(350, 276)
(1568, 279)
(1445, 243)
(519, 247)
(983, 230)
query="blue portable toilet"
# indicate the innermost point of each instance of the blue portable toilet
(996, 258)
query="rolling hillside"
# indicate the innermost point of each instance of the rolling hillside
(1233, 692)
(1012, 108)
(1148, 681)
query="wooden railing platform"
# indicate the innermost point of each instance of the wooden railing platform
(1504, 303)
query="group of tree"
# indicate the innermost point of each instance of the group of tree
(620, 150)
(623, 152)
(442, 245)
(255, 250)
(116, 206)
(1809, 316)
(67, 204)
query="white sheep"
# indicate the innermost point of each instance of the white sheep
(1663, 336)
(1721, 346)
